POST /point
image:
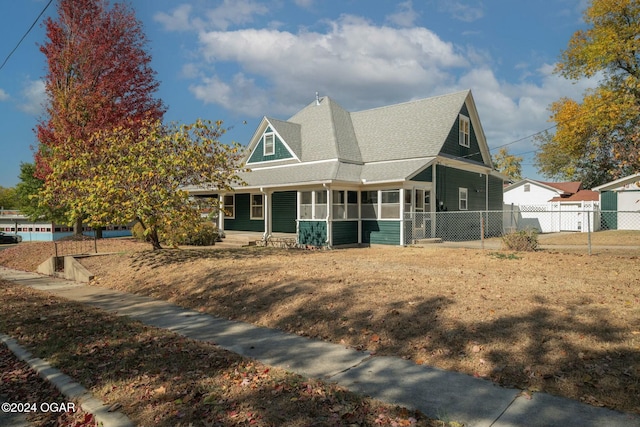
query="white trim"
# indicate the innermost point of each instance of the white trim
(291, 164)
(464, 135)
(461, 191)
(272, 137)
(255, 140)
(251, 205)
(233, 205)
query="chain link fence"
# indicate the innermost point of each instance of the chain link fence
(460, 226)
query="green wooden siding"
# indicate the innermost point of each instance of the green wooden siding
(344, 232)
(312, 233)
(609, 208)
(284, 211)
(448, 181)
(280, 153)
(381, 232)
(453, 147)
(424, 176)
(496, 192)
(242, 221)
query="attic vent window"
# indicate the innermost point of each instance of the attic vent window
(463, 136)
(269, 144)
(527, 188)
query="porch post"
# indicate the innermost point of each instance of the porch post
(402, 231)
(267, 213)
(433, 199)
(329, 218)
(221, 212)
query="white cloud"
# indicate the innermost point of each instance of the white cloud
(351, 58)
(33, 97)
(462, 11)
(230, 12)
(406, 16)
(178, 20)
(305, 4)
(3, 95)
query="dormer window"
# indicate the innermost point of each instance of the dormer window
(269, 144)
(463, 136)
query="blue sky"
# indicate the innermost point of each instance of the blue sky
(240, 60)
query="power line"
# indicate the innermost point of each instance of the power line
(25, 34)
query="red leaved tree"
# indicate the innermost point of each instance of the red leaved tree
(99, 77)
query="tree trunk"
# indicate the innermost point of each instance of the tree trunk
(98, 232)
(77, 227)
(152, 236)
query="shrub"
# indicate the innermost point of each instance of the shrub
(204, 233)
(525, 240)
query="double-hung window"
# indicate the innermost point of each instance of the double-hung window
(229, 206)
(269, 144)
(465, 131)
(463, 197)
(257, 206)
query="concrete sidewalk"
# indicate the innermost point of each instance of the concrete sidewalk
(439, 394)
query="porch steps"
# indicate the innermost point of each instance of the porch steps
(427, 241)
(231, 241)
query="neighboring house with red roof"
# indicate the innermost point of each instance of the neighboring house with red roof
(551, 206)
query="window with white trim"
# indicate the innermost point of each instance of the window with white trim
(465, 131)
(306, 205)
(390, 204)
(320, 209)
(257, 206)
(527, 188)
(269, 144)
(369, 204)
(463, 197)
(229, 206)
(345, 204)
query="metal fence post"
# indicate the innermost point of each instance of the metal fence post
(589, 231)
(481, 229)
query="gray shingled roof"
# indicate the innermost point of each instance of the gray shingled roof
(382, 144)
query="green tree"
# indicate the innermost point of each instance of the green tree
(8, 198)
(28, 195)
(508, 164)
(597, 140)
(142, 173)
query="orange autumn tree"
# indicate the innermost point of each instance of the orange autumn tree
(597, 140)
(99, 77)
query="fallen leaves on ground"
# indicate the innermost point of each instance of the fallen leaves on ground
(162, 379)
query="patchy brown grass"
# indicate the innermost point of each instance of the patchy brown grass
(558, 322)
(158, 378)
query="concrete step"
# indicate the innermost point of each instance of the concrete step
(428, 241)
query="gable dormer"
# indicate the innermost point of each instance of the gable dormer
(466, 140)
(270, 145)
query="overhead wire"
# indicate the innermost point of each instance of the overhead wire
(25, 35)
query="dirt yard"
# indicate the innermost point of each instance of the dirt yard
(559, 322)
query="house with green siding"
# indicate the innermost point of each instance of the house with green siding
(332, 177)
